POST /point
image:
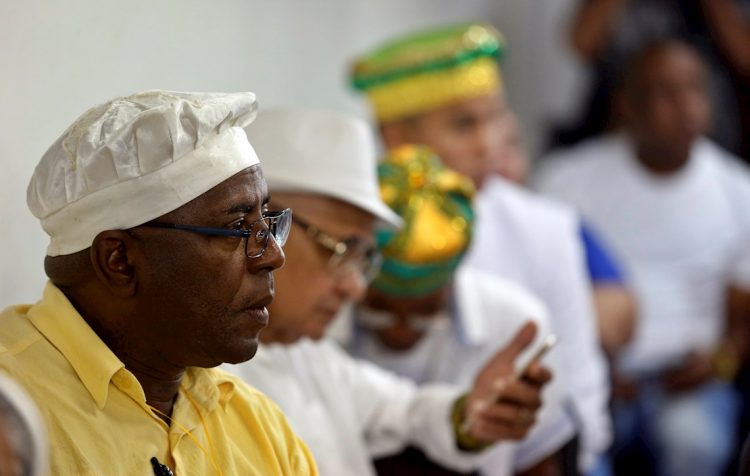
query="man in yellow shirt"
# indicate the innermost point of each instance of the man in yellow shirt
(160, 263)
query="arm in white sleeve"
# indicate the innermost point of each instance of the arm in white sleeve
(394, 412)
(584, 367)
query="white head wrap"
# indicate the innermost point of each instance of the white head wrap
(321, 152)
(135, 158)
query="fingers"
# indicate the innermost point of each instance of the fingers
(537, 374)
(507, 414)
(696, 370)
(502, 421)
(523, 338)
(510, 416)
(522, 394)
(489, 431)
(501, 364)
(685, 380)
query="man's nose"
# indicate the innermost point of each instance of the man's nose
(272, 258)
(351, 283)
(487, 142)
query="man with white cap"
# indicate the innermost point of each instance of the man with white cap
(323, 164)
(160, 264)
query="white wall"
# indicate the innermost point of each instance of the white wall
(545, 81)
(61, 57)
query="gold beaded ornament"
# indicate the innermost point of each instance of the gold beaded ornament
(436, 205)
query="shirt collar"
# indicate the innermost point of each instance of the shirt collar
(94, 363)
(209, 387)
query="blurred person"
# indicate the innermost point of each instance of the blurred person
(614, 302)
(605, 33)
(744, 469)
(442, 88)
(349, 411)
(738, 318)
(160, 266)
(23, 443)
(671, 203)
(427, 321)
(513, 163)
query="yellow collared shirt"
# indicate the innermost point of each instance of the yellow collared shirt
(97, 419)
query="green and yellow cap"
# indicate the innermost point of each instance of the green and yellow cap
(425, 71)
(435, 204)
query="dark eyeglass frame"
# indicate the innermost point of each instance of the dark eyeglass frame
(370, 260)
(272, 221)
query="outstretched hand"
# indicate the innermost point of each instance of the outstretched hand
(502, 405)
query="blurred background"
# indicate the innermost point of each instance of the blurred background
(59, 58)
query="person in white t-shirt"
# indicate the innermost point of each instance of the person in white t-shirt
(442, 88)
(322, 165)
(673, 206)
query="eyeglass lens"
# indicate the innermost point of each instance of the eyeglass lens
(276, 224)
(360, 257)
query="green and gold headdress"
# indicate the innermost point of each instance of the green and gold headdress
(425, 71)
(435, 204)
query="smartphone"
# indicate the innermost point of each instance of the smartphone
(547, 345)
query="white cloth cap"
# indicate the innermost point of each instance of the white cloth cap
(135, 158)
(320, 152)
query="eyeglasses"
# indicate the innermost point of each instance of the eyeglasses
(348, 253)
(378, 320)
(256, 234)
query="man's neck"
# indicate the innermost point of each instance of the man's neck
(160, 382)
(159, 387)
(661, 161)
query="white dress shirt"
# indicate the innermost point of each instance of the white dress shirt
(350, 411)
(486, 313)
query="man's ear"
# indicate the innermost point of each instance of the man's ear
(113, 255)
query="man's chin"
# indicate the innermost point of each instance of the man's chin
(242, 353)
(318, 332)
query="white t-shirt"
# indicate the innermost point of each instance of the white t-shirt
(487, 312)
(681, 238)
(535, 242)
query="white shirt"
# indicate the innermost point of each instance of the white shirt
(535, 242)
(350, 411)
(486, 313)
(680, 238)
